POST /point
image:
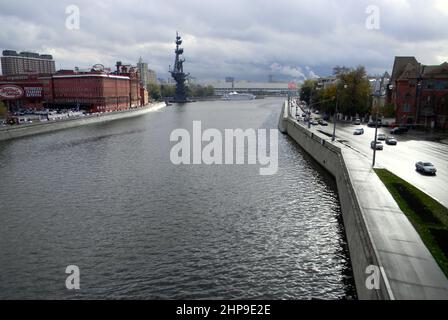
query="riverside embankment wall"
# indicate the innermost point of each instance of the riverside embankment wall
(389, 259)
(12, 132)
(362, 251)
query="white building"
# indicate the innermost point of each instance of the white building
(143, 71)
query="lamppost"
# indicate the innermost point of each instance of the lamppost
(333, 138)
(376, 135)
(418, 95)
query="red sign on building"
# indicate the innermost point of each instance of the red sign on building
(11, 92)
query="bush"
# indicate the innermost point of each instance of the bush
(3, 110)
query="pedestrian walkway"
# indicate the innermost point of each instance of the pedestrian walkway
(412, 272)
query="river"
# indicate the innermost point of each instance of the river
(107, 199)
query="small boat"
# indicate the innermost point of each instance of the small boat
(235, 96)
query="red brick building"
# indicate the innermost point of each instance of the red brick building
(95, 91)
(419, 93)
(31, 93)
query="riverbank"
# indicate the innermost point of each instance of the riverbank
(379, 235)
(23, 130)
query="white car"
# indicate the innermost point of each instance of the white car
(378, 145)
(426, 167)
(359, 132)
(381, 137)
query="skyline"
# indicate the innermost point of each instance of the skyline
(234, 38)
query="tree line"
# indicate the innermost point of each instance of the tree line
(161, 91)
(351, 91)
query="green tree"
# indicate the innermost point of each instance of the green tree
(154, 91)
(3, 110)
(308, 91)
(327, 97)
(194, 90)
(209, 91)
(354, 91)
(168, 91)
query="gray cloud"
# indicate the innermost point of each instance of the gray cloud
(246, 39)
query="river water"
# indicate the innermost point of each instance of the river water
(107, 199)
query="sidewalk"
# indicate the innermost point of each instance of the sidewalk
(411, 270)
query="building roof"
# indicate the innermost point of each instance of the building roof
(409, 68)
(90, 75)
(400, 64)
(436, 70)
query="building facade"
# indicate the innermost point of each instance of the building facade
(378, 87)
(93, 91)
(14, 63)
(325, 82)
(143, 72)
(419, 93)
(152, 76)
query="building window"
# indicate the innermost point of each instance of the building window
(406, 107)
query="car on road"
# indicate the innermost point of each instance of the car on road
(358, 132)
(426, 167)
(399, 130)
(371, 124)
(322, 123)
(376, 145)
(314, 122)
(381, 137)
(391, 141)
(357, 122)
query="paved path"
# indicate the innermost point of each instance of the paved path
(411, 270)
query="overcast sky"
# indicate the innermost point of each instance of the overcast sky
(291, 39)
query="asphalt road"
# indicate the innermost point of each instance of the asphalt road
(401, 159)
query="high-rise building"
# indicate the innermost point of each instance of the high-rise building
(152, 76)
(14, 63)
(143, 70)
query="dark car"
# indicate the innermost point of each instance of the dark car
(372, 124)
(399, 130)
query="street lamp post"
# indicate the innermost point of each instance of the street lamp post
(333, 138)
(376, 136)
(417, 102)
